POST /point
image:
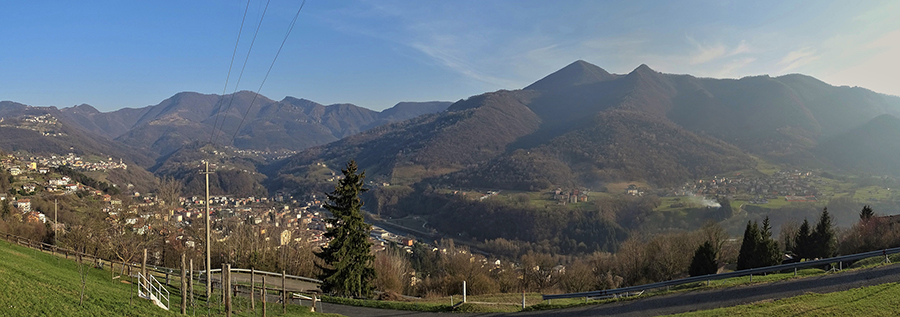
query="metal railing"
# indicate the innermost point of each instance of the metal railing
(695, 279)
(306, 279)
(152, 289)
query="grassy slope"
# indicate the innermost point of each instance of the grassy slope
(41, 284)
(878, 300)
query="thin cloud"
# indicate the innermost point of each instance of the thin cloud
(459, 65)
(706, 54)
(797, 58)
(729, 68)
(742, 48)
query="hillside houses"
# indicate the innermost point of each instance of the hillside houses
(570, 196)
(783, 183)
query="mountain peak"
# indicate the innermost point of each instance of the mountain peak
(576, 73)
(643, 69)
(84, 109)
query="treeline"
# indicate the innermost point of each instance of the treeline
(595, 226)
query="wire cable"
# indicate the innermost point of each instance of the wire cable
(228, 76)
(237, 84)
(291, 28)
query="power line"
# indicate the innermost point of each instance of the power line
(228, 76)
(237, 84)
(291, 28)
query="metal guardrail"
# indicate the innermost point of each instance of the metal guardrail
(695, 279)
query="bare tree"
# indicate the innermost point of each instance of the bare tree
(393, 271)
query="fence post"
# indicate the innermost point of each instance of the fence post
(183, 287)
(191, 281)
(464, 291)
(144, 264)
(222, 278)
(227, 289)
(263, 295)
(283, 294)
(252, 291)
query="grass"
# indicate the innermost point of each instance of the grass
(872, 193)
(41, 284)
(878, 300)
(491, 303)
(412, 306)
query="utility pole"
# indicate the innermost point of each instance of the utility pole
(208, 264)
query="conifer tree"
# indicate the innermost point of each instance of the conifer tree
(348, 269)
(768, 248)
(747, 258)
(704, 261)
(866, 213)
(824, 239)
(803, 243)
(758, 248)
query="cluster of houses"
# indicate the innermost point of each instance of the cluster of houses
(45, 124)
(43, 165)
(570, 196)
(794, 185)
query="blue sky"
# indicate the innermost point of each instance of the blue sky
(114, 54)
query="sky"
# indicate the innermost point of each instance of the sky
(115, 54)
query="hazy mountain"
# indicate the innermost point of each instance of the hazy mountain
(290, 124)
(872, 148)
(582, 126)
(58, 137)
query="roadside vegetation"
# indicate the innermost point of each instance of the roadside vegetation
(878, 300)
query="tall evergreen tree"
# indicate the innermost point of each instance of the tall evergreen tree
(704, 261)
(758, 248)
(803, 243)
(770, 254)
(348, 269)
(824, 238)
(866, 213)
(747, 258)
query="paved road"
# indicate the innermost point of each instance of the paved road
(682, 302)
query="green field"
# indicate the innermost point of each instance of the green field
(42, 284)
(878, 300)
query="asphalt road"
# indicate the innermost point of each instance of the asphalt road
(682, 302)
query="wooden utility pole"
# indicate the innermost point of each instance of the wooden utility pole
(252, 291)
(283, 294)
(183, 286)
(208, 263)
